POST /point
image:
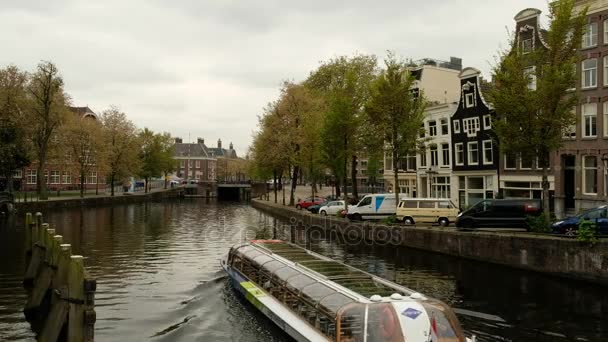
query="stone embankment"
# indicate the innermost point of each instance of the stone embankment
(547, 254)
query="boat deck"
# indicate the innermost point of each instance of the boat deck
(349, 277)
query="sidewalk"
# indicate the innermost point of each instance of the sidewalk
(75, 194)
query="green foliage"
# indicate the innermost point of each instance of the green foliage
(540, 223)
(587, 231)
(155, 154)
(389, 220)
(530, 121)
(395, 113)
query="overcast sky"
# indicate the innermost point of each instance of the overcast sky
(198, 68)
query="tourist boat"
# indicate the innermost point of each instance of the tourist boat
(314, 298)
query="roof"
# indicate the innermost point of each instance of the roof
(83, 111)
(191, 150)
(221, 152)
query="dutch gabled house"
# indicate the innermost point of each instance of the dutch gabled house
(519, 177)
(474, 146)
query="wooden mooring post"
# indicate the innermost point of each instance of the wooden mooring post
(60, 294)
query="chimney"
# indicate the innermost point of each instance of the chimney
(219, 143)
(231, 147)
(201, 141)
(178, 140)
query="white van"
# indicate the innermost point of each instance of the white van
(427, 210)
(374, 207)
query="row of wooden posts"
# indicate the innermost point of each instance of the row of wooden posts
(60, 294)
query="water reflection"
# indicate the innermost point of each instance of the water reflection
(159, 278)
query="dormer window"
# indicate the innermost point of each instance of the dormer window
(469, 100)
(526, 46)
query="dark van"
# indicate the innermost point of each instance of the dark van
(499, 213)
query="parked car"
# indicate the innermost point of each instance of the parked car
(427, 210)
(332, 208)
(315, 208)
(307, 202)
(374, 207)
(569, 225)
(499, 213)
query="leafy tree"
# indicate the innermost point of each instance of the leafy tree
(153, 154)
(396, 113)
(46, 112)
(344, 83)
(531, 120)
(82, 138)
(13, 145)
(167, 151)
(120, 136)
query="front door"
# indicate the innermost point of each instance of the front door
(569, 181)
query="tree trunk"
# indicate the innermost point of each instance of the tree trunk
(282, 187)
(396, 177)
(81, 184)
(112, 184)
(274, 184)
(353, 176)
(40, 180)
(546, 199)
(165, 180)
(294, 181)
(145, 185)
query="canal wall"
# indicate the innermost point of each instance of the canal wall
(552, 255)
(42, 206)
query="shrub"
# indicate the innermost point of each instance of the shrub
(540, 223)
(587, 231)
(389, 220)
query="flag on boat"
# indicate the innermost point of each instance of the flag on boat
(434, 337)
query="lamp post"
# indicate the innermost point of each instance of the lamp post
(605, 161)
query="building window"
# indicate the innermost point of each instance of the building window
(459, 154)
(434, 156)
(189, 163)
(67, 178)
(530, 74)
(488, 157)
(590, 36)
(473, 153)
(182, 163)
(445, 154)
(526, 46)
(423, 159)
(444, 127)
(589, 120)
(590, 175)
(198, 164)
(432, 128)
(510, 161)
(18, 174)
(487, 122)
(411, 163)
(470, 100)
(605, 113)
(456, 126)
(422, 131)
(606, 70)
(525, 162)
(605, 32)
(92, 177)
(589, 73)
(471, 126)
(440, 187)
(31, 177)
(55, 177)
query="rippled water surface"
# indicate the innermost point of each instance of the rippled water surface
(159, 279)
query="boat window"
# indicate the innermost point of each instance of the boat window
(272, 266)
(261, 260)
(236, 262)
(252, 253)
(383, 324)
(315, 292)
(334, 302)
(298, 282)
(447, 328)
(352, 320)
(285, 273)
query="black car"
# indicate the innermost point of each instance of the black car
(498, 213)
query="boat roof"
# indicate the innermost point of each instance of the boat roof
(287, 261)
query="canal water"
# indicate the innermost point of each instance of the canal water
(159, 279)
